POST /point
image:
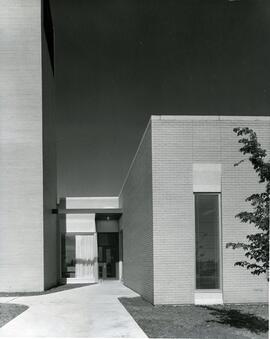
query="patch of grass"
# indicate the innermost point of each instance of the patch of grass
(189, 321)
(10, 311)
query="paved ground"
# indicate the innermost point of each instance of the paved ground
(90, 311)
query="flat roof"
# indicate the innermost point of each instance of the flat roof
(212, 117)
(111, 204)
(176, 117)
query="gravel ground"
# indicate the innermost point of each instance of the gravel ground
(228, 321)
(10, 311)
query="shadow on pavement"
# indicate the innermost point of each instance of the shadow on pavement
(49, 291)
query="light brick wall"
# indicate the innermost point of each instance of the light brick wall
(28, 233)
(174, 264)
(137, 222)
(237, 184)
(21, 179)
(176, 145)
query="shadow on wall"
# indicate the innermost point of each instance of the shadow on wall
(236, 318)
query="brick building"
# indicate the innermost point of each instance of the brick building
(164, 236)
(182, 170)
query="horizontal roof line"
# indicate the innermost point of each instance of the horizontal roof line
(90, 198)
(211, 117)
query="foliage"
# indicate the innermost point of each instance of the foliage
(257, 246)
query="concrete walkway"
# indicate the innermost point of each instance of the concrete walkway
(89, 311)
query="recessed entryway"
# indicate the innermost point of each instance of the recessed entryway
(89, 245)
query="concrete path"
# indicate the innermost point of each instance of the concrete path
(89, 311)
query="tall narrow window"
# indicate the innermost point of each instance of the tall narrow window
(207, 241)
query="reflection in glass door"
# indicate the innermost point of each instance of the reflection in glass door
(79, 256)
(68, 255)
(207, 241)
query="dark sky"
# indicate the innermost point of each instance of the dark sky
(119, 61)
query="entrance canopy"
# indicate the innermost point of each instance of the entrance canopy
(102, 207)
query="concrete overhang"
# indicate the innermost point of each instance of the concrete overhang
(98, 211)
(103, 207)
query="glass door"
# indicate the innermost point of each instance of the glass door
(108, 254)
(79, 257)
(68, 246)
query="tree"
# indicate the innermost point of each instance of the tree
(257, 246)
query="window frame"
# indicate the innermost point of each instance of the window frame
(220, 289)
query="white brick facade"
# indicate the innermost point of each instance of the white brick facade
(137, 222)
(28, 244)
(176, 143)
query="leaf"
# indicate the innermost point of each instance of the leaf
(256, 249)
